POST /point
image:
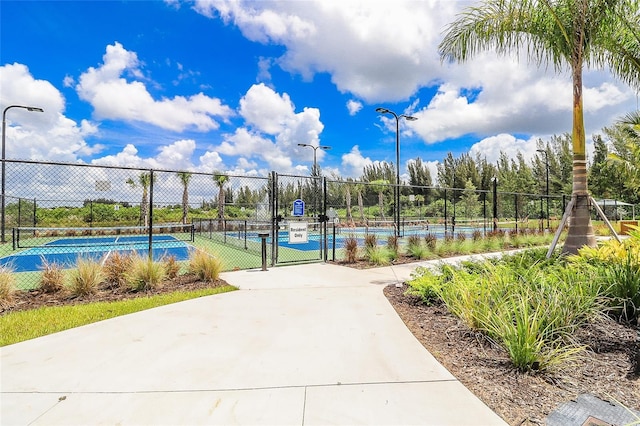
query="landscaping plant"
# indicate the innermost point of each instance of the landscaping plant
(144, 274)
(351, 249)
(7, 286)
(86, 278)
(205, 266)
(115, 267)
(52, 277)
(528, 305)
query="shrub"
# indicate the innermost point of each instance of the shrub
(476, 235)
(115, 268)
(379, 256)
(413, 241)
(530, 307)
(52, 277)
(426, 285)
(205, 266)
(418, 252)
(171, 267)
(86, 278)
(7, 286)
(393, 245)
(351, 249)
(431, 240)
(617, 265)
(144, 274)
(370, 241)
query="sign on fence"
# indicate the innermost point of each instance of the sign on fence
(298, 233)
(298, 207)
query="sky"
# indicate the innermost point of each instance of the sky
(235, 86)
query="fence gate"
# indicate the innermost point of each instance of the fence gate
(299, 231)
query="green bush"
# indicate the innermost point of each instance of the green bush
(86, 278)
(617, 268)
(51, 278)
(7, 286)
(144, 274)
(205, 266)
(528, 305)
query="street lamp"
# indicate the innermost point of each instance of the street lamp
(546, 162)
(381, 110)
(315, 168)
(4, 133)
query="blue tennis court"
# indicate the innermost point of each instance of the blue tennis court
(65, 251)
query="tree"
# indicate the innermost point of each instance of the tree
(220, 180)
(360, 188)
(573, 33)
(144, 180)
(628, 158)
(470, 201)
(185, 177)
(380, 186)
(419, 177)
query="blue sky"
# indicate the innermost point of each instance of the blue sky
(235, 86)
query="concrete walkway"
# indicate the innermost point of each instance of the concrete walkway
(313, 344)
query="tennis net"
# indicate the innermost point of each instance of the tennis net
(27, 237)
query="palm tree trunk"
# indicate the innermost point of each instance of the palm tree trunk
(580, 228)
(185, 205)
(144, 219)
(221, 208)
(347, 197)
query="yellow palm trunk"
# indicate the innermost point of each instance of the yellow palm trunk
(580, 228)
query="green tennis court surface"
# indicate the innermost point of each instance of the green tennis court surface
(66, 251)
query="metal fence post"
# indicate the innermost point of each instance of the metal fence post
(150, 214)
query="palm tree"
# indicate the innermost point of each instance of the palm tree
(144, 180)
(359, 188)
(347, 199)
(185, 177)
(379, 186)
(220, 180)
(630, 160)
(573, 33)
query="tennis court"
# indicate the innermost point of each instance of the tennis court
(315, 239)
(65, 251)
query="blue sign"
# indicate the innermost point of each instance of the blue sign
(298, 207)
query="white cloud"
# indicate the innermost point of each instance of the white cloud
(114, 97)
(354, 162)
(354, 106)
(40, 136)
(387, 51)
(274, 130)
(510, 145)
(377, 51)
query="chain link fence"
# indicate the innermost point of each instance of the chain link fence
(58, 212)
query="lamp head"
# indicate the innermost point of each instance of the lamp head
(382, 110)
(325, 147)
(410, 118)
(35, 109)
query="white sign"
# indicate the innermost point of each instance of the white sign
(298, 233)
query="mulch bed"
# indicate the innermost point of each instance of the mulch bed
(609, 369)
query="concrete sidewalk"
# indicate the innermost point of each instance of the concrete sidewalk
(309, 344)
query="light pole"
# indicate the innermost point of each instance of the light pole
(4, 134)
(315, 169)
(381, 110)
(546, 162)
